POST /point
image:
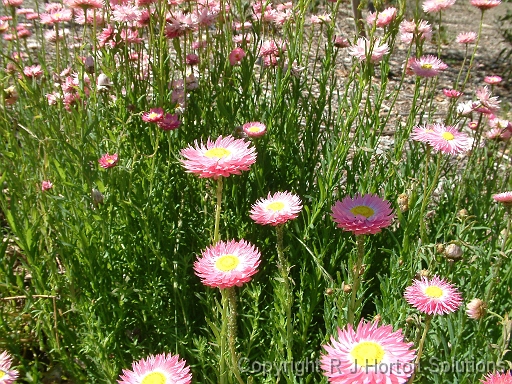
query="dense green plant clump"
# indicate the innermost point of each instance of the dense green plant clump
(238, 193)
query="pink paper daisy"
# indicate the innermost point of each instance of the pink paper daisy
(227, 264)
(449, 140)
(435, 296)
(7, 375)
(254, 129)
(162, 368)
(236, 56)
(222, 157)
(485, 4)
(504, 197)
(427, 66)
(108, 161)
(498, 378)
(466, 37)
(452, 93)
(276, 209)
(383, 19)
(431, 6)
(492, 80)
(370, 354)
(46, 185)
(476, 309)
(423, 134)
(362, 214)
(169, 122)
(362, 49)
(153, 116)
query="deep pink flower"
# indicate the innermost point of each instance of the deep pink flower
(498, 378)
(8, 375)
(433, 297)
(192, 59)
(504, 197)
(46, 185)
(452, 93)
(162, 368)
(362, 215)
(431, 6)
(276, 209)
(362, 49)
(223, 157)
(466, 37)
(227, 264)
(492, 79)
(12, 3)
(485, 4)
(153, 116)
(427, 66)
(254, 129)
(169, 122)
(236, 56)
(108, 161)
(370, 354)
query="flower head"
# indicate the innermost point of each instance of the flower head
(476, 309)
(492, 79)
(446, 139)
(169, 122)
(431, 6)
(369, 354)
(363, 47)
(427, 66)
(46, 185)
(108, 161)
(7, 375)
(504, 197)
(408, 29)
(452, 93)
(383, 19)
(485, 4)
(153, 116)
(162, 368)
(222, 157)
(276, 209)
(362, 214)
(254, 129)
(227, 264)
(435, 296)
(498, 378)
(466, 38)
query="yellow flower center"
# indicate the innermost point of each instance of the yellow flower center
(2, 373)
(367, 353)
(275, 206)
(254, 129)
(448, 136)
(154, 378)
(227, 263)
(153, 115)
(426, 66)
(434, 292)
(217, 152)
(362, 210)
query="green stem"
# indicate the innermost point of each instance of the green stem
(426, 197)
(474, 52)
(283, 269)
(216, 235)
(428, 319)
(356, 280)
(223, 333)
(232, 330)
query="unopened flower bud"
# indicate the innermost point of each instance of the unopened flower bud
(89, 64)
(377, 318)
(440, 248)
(476, 309)
(97, 197)
(463, 213)
(329, 291)
(453, 252)
(403, 202)
(347, 288)
(103, 82)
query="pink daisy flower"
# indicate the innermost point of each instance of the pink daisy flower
(362, 214)
(504, 197)
(427, 66)
(431, 6)
(492, 79)
(448, 139)
(452, 93)
(169, 122)
(485, 4)
(236, 56)
(46, 185)
(153, 116)
(108, 161)
(383, 19)
(7, 375)
(498, 378)
(362, 49)
(161, 368)
(84, 4)
(125, 13)
(408, 29)
(33, 71)
(490, 102)
(466, 38)
(227, 264)
(422, 134)
(222, 157)
(276, 209)
(370, 354)
(435, 296)
(476, 309)
(254, 129)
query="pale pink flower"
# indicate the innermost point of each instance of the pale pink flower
(130, 36)
(497, 378)
(319, 19)
(169, 122)
(476, 309)
(362, 215)
(153, 116)
(431, 6)
(485, 4)
(466, 38)
(449, 140)
(238, 26)
(494, 122)
(427, 66)
(8, 375)
(85, 4)
(466, 107)
(363, 48)
(108, 161)
(341, 42)
(227, 264)
(492, 80)
(58, 16)
(276, 209)
(33, 71)
(423, 134)
(383, 18)
(45, 185)
(452, 93)
(254, 129)
(409, 29)
(92, 17)
(486, 100)
(433, 297)
(370, 354)
(53, 98)
(12, 3)
(125, 13)
(162, 368)
(223, 157)
(504, 197)
(498, 134)
(236, 56)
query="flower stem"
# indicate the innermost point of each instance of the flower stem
(232, 330)
(283, 269)
(222, 341)
(426, 196)
(216, 235)
(428, 319)
(356, 280)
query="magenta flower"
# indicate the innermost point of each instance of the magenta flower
(162, 368)
(492, 80)
(227, 264)
(485, 4)
(169, 122)
(433, 297)
(33, 71)
(362, 215)
(276, 209)
(427, 66)
(498, 378)
(363, 47)
(236, 56)
(46, 185)
(108, 161)
(466, 38)
(452, 93)
(222, 157)
(431, 6)
(370, 354)
(7, 375)
(153, 116)
(254, 129)
(504, 197)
